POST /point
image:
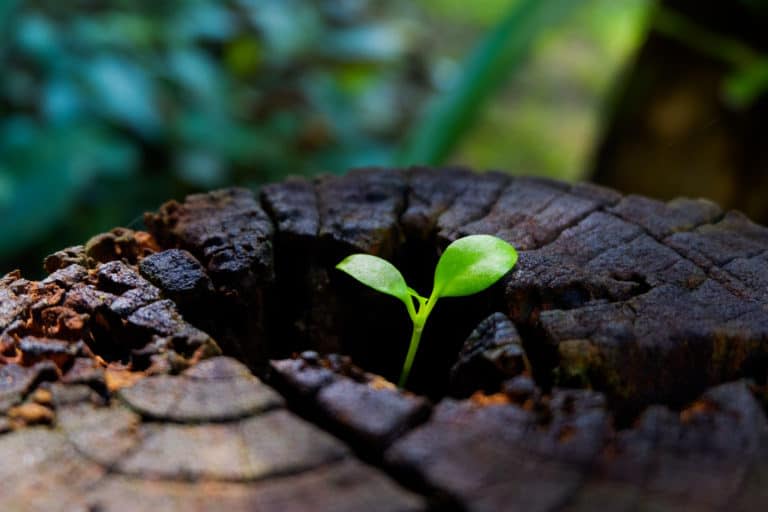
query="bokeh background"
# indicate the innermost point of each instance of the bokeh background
(108, 108)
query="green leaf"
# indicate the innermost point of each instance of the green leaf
(377, 273)
(472, 264)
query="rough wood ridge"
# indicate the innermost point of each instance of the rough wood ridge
(218, 362)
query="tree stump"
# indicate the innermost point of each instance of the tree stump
(219, 362)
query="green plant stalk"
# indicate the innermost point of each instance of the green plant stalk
(412, 348)
(419, 319)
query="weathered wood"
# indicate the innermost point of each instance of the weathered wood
(493, 353)
(619, 365)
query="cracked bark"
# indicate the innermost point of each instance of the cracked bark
(619, 365)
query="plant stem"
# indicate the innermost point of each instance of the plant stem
(419, 318)
(412, 348)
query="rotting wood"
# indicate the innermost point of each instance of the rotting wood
(645, 324)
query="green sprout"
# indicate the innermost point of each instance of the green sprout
(469, 265)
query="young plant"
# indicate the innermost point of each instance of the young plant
(469, 265)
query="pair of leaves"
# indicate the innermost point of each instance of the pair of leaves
(468, 265)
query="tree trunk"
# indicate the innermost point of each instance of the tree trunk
(673, 133)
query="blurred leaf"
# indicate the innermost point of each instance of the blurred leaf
(749, 80)
(31, 209)
(47, 187)
(45, 169)
(113, 30)
(125, 93)
(244, 55)
(163, 98)
(16, 133)
(289, 27)
(197, 73)
(746, 85)
(61, 101)
(201, 168)
(727, 49)
(37, 37)
(204, 20)
(380, 42)
(496, 57)
(482, 13)
(219, 133)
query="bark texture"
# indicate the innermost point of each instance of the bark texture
(196, 366)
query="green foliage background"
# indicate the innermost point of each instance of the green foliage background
(107, 108)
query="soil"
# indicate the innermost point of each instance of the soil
(217, 360)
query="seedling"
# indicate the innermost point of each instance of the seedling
(469, 265)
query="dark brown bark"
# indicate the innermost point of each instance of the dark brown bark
(619, 365)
